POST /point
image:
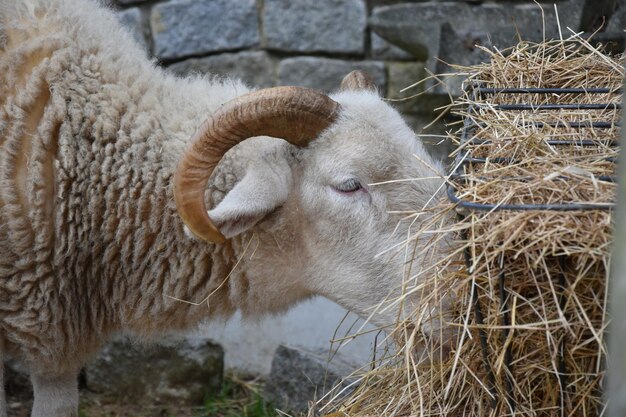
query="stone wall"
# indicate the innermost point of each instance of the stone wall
(314, 43)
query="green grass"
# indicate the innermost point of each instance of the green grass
(238, 398)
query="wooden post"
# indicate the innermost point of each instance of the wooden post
(616, 393)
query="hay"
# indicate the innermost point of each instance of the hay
(529, 313)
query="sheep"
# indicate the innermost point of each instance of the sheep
(125, 205)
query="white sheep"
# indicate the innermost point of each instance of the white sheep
(98, 176)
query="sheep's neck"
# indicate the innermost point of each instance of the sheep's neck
(176, 280)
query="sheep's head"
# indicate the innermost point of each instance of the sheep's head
(326, 217)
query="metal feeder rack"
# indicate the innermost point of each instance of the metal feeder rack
(465, 159)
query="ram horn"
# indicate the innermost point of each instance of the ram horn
(295, 114)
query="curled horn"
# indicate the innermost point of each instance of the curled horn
(295, 114)
(357, 80)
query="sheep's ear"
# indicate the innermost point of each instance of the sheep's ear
(259, 193)
(358, 80)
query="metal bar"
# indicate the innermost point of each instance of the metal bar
(497, 160)
(508, 356)
(500, 160)
(464, 178)
(583, 142)
(562, 367)
(573, 125)
(467, 123)
(526, 207)
(482, 335)
(558, 142)
(534, 90)
(571, 106)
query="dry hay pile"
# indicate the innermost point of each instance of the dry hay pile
(533, 221)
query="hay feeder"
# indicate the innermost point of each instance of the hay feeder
(546, 101)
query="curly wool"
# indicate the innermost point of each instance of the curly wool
(90, 133)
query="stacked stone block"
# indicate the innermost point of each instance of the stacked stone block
(314, 43)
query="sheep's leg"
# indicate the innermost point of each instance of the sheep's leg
(3, 399)
(55, 395)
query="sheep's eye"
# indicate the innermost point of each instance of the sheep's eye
(349, 186)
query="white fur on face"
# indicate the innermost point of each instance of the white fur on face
(340, 240)
(372, 144)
